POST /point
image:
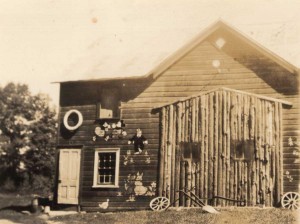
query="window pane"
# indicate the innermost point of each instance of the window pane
(106, 168)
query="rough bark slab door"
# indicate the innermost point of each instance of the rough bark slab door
(68, 182)
(231, 143)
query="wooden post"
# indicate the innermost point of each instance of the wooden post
(206, 150)
(269, 127)
(188, 167)
(197, 192)
(161, 153)
(196, 123)
(220, 145)
(227, 155)
(273, 154)
(251, 169)
(239, 117)
(211, 146)
(193, 178)
(247, 181)
(232, 140)
(179, 123)
(170, 150)
(202, 153)
(280, 154)
(216, 143)
(242, 184)
(239, 179)
(177, 174)
(183, 126)
(166, 166)
(224, 146)
(182, 183)
(187, 121)
(235, 180)
(174, 140)
(193, 119)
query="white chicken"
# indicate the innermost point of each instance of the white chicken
(104, 205)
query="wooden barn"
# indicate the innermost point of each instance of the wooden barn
(220, 117)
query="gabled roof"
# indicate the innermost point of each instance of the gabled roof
(207, 32)
(173, 58)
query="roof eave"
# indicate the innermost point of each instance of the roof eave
(148, 76)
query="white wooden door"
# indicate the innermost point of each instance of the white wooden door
(68, 176)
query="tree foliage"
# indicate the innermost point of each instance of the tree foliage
(27, 136)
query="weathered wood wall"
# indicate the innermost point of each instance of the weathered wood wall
(190, 75)
(129, 164)
(194, 73)
(236, 140)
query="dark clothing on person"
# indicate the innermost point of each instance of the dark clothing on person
(138, 142)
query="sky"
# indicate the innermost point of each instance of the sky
(46, 41)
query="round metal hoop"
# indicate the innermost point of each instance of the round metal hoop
(66, 117)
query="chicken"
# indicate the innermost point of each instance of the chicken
(104, 205)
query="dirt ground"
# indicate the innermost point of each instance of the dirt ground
(11, 208)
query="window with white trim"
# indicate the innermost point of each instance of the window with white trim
(106, 168)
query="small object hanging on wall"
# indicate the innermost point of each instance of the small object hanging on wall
(73, 115)
(119, 124)
(148, 160)
(124, 133)
(131, 161)
(131, 198)
(139, 141)
(99, 132)
(109, 131)
(115, 134)
(125, 160)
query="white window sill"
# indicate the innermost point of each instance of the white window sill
(105, 186)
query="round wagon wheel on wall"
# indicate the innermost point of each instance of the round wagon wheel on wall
(290, 200)
(159, 203)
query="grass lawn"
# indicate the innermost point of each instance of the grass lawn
(230, 216)
(10, 207)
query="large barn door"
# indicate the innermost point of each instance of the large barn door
(235, 142)
(68, 179)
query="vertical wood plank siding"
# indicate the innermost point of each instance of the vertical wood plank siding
(247, 174)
